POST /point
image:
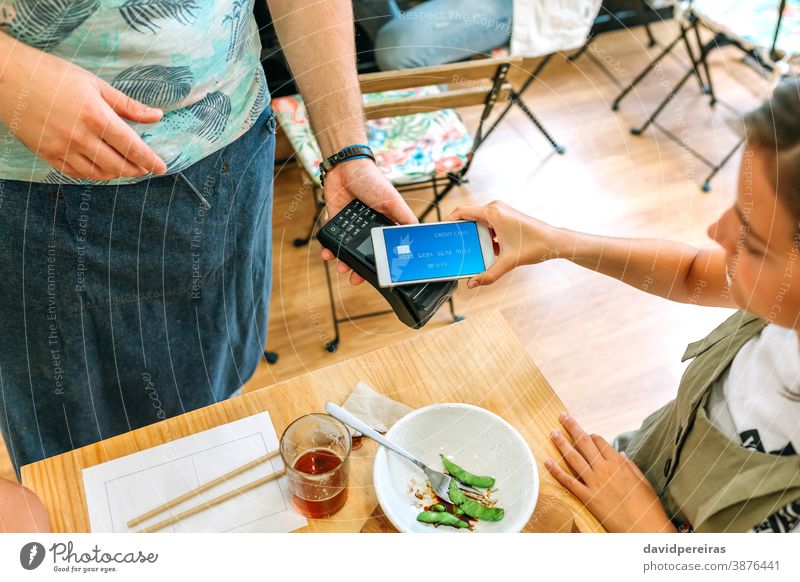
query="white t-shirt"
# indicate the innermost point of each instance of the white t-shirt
(757, 402)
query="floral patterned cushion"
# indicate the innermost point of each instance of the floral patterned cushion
(408, 149)
(753, 21)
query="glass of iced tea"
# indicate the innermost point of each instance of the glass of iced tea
(315, 450)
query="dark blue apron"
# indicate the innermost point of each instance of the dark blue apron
(121, 306)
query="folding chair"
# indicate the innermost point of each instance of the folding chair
(681, 17)
(767, 31)
(617, 16)
(419, 140)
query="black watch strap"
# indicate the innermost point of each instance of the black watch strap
(351, 152)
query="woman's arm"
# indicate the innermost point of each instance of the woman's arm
(672, 270)
(608, 483)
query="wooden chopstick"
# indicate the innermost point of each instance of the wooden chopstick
(212, 502)
(202, 488)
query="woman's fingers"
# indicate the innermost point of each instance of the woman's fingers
(491, 275)
(574, 486)
(574, 459)
(606, 450)
(476, 213)
(583, 442)
(633, 467)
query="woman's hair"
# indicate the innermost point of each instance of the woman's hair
(775, 128)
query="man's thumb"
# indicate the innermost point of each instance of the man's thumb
(129, 108)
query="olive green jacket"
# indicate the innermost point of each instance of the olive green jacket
(701, 476)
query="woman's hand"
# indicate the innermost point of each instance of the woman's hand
(71, 118)
(363, 180)
(609, 484)
(519, 239)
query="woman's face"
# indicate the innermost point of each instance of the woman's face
(760, 237)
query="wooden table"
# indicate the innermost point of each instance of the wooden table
(477, 361)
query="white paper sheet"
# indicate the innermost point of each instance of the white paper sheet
(119, 490)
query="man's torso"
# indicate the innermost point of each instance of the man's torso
(196, 60)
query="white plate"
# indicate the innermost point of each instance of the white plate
(475, 439)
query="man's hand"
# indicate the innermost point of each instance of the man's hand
(71, 118)
(363, 180)
(318, 39)
(610, 485)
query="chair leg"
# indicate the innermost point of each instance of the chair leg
(438, 196)
(500, 118)
(456, 317)
(331, 345)
(644, 73)
(518, 94)
(535, 74)
(696, 62)
(670, 96)
(707, 183)
(319, 205)
(651, 40)
(515, 98)
(559, 149)
(642, 8)
(577, 54)
(704, 50)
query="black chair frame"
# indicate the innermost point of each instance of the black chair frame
(699, 65)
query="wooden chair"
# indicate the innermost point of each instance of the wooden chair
(419, 140)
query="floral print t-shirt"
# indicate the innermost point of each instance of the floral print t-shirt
(197, 60)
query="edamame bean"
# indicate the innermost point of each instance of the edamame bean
(466, 477)
(442, 518)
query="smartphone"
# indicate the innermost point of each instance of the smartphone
(433, 251)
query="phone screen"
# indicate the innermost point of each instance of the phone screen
(433, 251)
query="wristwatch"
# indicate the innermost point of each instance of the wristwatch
(351, 152)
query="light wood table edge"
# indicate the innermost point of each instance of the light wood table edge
(40, 477)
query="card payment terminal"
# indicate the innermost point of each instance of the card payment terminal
(348, 237)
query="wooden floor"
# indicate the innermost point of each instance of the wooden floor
(611, 352)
